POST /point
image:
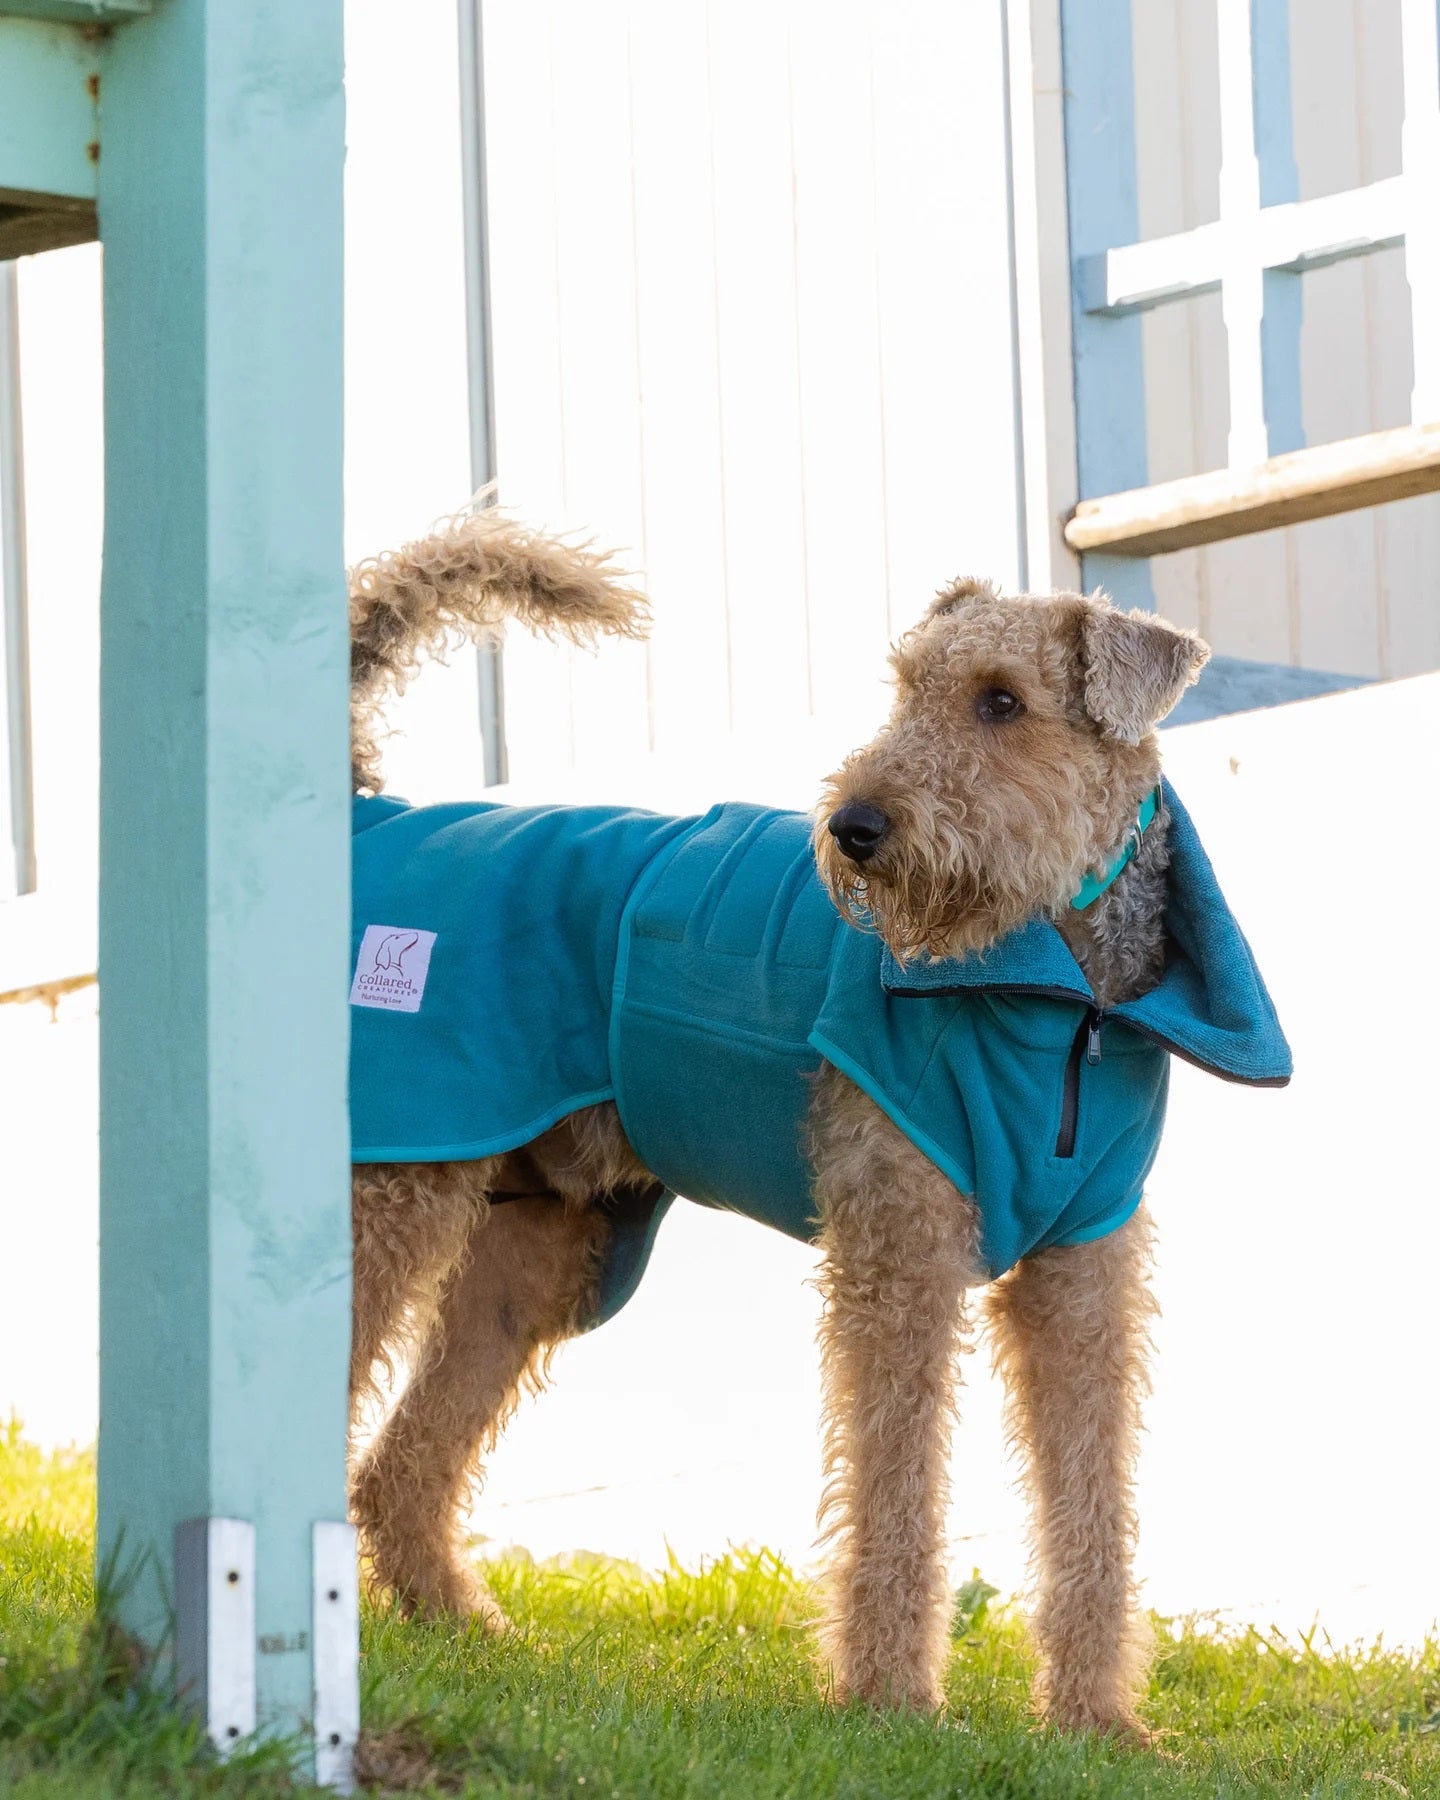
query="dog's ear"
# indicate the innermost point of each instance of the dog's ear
(963, 587)
(1136, 668)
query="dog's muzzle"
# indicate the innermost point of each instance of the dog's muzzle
(858, 829)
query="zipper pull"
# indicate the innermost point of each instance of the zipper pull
(1092, 1039)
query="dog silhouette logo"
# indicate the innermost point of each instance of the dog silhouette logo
(390, 954)
(391, 968)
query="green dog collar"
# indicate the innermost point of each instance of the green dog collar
(1093, 886)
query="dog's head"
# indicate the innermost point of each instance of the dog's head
(1020, 744)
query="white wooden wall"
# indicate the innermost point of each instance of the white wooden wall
(1358, 594)
(752, 319)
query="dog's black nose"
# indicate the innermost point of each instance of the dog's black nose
(858, 829)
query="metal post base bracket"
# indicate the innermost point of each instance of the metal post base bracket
(216, 1645)
(337, 1655)
(215, 1625)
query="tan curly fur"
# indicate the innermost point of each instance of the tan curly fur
(411, 1225)
(993, 824)
(516, 1293)
(458, 585)
(899, 1251)
(482, 1294)
(988, 822)
(1071, 1333)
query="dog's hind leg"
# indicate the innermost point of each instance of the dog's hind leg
(528, 1272)
(411, 1223)
(899, 1251)
(1072, 1330)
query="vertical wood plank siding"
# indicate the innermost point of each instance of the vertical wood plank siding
(752, 315)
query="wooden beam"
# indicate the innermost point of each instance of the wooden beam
(50, 992)
(49, 133)
(1231, 503)
(30, 223)
(49, 117)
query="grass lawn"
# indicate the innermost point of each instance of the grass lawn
(620, 1685)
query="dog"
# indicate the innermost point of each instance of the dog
(929, 1028)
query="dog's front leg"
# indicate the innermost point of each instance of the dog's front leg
(899, 1251)
(1072, 1330)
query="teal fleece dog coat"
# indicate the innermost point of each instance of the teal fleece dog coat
(514, 964)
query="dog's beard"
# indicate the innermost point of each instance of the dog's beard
(944, 901)
(921, 916)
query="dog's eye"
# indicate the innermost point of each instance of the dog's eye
(997, 706)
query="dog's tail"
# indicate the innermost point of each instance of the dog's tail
(459, 585)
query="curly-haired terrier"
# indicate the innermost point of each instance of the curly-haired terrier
(929, 1028)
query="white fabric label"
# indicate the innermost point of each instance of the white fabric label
(391, 968)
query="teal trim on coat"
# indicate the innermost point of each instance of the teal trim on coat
(696, 972)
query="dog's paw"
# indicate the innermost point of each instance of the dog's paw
(492, 1618)
(1116, 1723)
(888, 1691)
(453, 1595)
(467, 1598)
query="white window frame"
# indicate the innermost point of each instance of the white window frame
(1083, 276)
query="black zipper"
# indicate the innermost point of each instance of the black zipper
(963, 988)
(1086, 1048)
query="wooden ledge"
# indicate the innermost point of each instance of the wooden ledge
(50, 993)
(34, 222)
(1230, 503)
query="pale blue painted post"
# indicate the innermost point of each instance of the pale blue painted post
(1104, 211)
(224, 842)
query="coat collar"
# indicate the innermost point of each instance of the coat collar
(1210, 1006)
